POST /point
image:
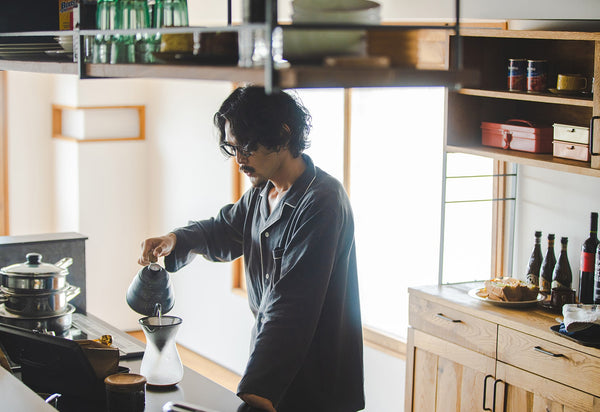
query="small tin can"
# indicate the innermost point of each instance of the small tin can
(537, 75)
(516, 74)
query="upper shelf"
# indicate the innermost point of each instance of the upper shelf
(419, 56)
(292, 77)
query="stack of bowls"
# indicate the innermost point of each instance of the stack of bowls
(317, 44)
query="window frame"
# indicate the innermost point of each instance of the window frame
(4, 227)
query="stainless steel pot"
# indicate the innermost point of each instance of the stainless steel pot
(57, 325)
(38, 304)
(35, 276)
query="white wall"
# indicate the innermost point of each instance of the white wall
(117, 193)
(553, 202)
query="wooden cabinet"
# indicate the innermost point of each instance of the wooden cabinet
(488, 51)
(462, 351)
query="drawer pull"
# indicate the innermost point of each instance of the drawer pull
(545, 352)
(442, 316)
(485, 390)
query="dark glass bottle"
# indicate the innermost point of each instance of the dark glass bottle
(562, 277)
(535, 262)
(597, 278)
(588, 259)
(548, 266)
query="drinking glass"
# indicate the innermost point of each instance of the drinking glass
(133, 48)
(170, 13)
(107, 18)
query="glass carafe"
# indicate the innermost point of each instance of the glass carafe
(161, 364)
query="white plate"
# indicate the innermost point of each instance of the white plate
(473, 294)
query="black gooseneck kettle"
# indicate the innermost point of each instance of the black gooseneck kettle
(151, 291)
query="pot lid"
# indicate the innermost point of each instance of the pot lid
(34, 267)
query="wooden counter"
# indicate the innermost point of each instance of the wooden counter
(464, 354)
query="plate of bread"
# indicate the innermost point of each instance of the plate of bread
(507, 291)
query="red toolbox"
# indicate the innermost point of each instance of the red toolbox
(517, 134)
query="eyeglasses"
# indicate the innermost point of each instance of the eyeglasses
(233, 150)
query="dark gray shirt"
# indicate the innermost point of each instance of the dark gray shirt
(306, 349)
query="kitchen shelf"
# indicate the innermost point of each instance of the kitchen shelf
(530, 97)
(546, 161)
(39, 66)
(487, 51)
(292, 77)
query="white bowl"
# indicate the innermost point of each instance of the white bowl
(316, 44)
(369, 12)
(332, 4)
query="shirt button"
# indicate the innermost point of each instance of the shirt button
(267, 276)
(266, 234)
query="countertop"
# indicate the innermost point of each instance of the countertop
(532, 320)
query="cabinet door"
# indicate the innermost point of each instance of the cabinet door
(527, 392)
(443, 376)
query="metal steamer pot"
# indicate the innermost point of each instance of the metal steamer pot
(36, 289)
(43, 304)
(35, 275)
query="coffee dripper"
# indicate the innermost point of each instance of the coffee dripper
(161, 364)
(151, 294)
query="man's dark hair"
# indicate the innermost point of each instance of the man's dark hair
(272, 120)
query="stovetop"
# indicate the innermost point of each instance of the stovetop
(88, 326)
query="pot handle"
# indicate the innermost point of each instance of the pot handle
(72, 291)
(3, 296)
(64, 263)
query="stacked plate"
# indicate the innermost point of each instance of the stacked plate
(66, 42)
(36, 48)
(317, 44)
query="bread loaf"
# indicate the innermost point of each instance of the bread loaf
(510, 290)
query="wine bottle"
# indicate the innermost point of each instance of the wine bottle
(588, 259)
(562, 277)
(548, 266)
(597, 278)
(535, 262)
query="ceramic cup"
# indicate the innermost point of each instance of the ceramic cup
(571, 82)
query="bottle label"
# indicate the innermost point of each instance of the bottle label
(545, 285)
(587, 262)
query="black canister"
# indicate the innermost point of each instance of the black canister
(125, 392)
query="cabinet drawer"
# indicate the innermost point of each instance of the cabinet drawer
(570, 150)
(453, 325)
(549, 360)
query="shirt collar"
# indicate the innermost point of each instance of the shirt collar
(299, 187)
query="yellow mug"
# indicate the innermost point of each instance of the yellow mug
(571, 82)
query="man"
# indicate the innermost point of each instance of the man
(295, 229)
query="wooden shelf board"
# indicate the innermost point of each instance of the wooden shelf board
(293, 77)
(530, 97)
(39, 66)
(531, 34)
(546, 161)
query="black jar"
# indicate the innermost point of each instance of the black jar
(125, 392)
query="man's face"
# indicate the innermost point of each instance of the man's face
(259, 165)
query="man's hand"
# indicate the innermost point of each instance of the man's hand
(258, 402)
(155, 247)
